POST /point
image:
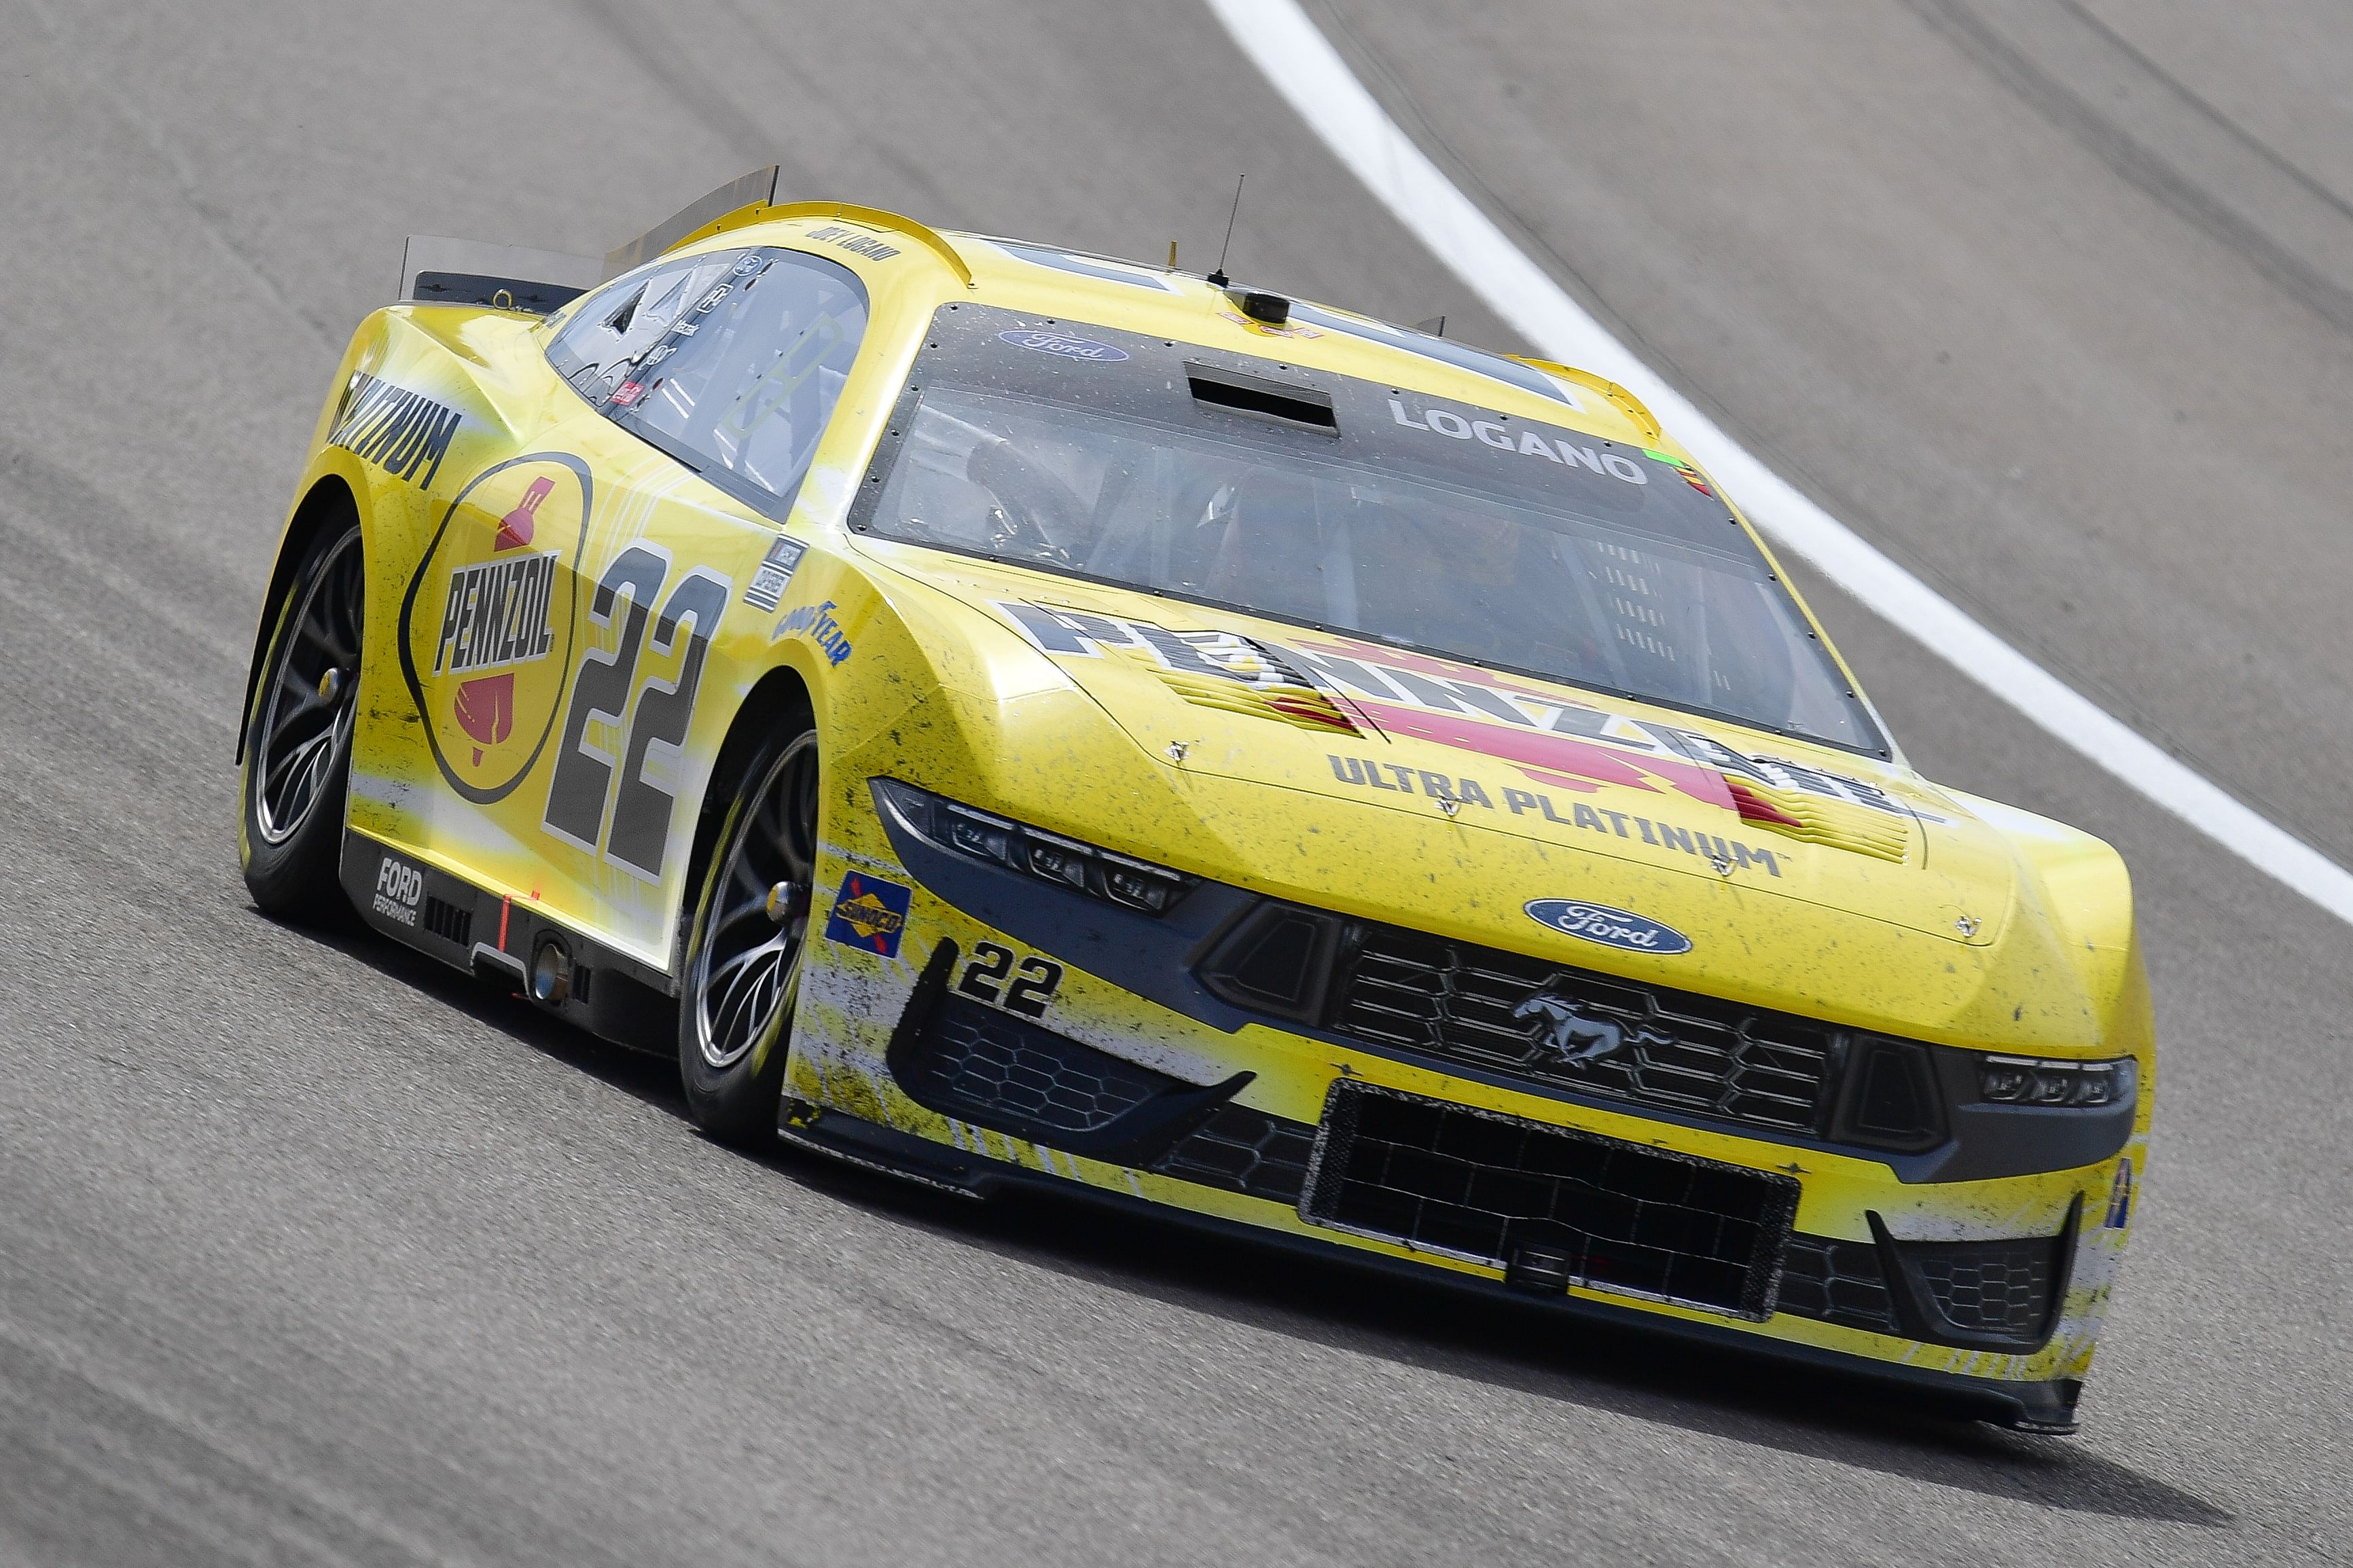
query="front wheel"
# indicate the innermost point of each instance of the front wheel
(744, 954)
(298, 739)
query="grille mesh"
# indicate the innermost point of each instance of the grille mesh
(997, 1069)
(1837, 1281)
(1448, 1179)
(1652, 1046)
(1245, 1150)
(1990, 1287)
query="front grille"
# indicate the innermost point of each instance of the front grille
(1587, 1033)
(1982, 1295)
(1002, 1071)
(1990, 1287)
(1615, 1215)
(1838, 1282)
(1245, 1150)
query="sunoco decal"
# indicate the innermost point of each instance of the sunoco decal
(486, 627)
(1610, 928)
(869, 914)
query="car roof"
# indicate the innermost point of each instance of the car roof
(1057, 284)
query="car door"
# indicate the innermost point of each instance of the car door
(577, 725)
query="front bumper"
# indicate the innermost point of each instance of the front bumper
(1118, 1074)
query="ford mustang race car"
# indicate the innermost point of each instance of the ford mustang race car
(1004, 715)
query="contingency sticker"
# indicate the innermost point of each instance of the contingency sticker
(870, 914)
(775, 575)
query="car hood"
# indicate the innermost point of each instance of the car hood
(1370, 727)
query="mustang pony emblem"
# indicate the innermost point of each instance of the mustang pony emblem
(1568, 1034)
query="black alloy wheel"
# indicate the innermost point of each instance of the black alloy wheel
(298, 738)
(744, 956)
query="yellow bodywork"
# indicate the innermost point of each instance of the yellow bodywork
(1944, 918)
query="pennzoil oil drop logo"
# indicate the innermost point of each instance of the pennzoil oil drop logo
(486, 627)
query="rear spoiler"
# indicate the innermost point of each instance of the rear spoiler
(435, 271)
(439, 271)
(756, 189)
(753, 199)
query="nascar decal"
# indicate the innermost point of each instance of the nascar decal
(405, 433)
(486, 625)
(615, 788)
(870, 914)
(1691, 476)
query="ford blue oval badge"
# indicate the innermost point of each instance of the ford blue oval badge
(1063, 343)
(1610, 928)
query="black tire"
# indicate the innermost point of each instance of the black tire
(298, 739)
(746, 932)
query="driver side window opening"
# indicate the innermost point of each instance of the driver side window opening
(732, 362)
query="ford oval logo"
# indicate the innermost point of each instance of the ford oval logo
(1063, 343)
(1610, 928)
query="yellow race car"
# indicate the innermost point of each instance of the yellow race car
(1007, 715)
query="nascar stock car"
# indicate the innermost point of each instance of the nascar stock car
(1005, 715)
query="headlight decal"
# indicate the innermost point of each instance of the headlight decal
(1048, 856)
(2027, 1080)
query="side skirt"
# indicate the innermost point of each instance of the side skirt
(515, 945)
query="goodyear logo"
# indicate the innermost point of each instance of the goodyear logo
(869, 914)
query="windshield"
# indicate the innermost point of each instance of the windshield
(1351, 507)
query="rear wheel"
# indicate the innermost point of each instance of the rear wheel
(744, 954)
(298, 739)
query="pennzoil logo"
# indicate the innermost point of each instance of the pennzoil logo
(491, 605)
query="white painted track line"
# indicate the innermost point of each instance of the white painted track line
(1302, 65)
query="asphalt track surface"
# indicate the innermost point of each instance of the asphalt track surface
(310, 1252)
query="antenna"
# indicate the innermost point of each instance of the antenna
(1218, 279)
